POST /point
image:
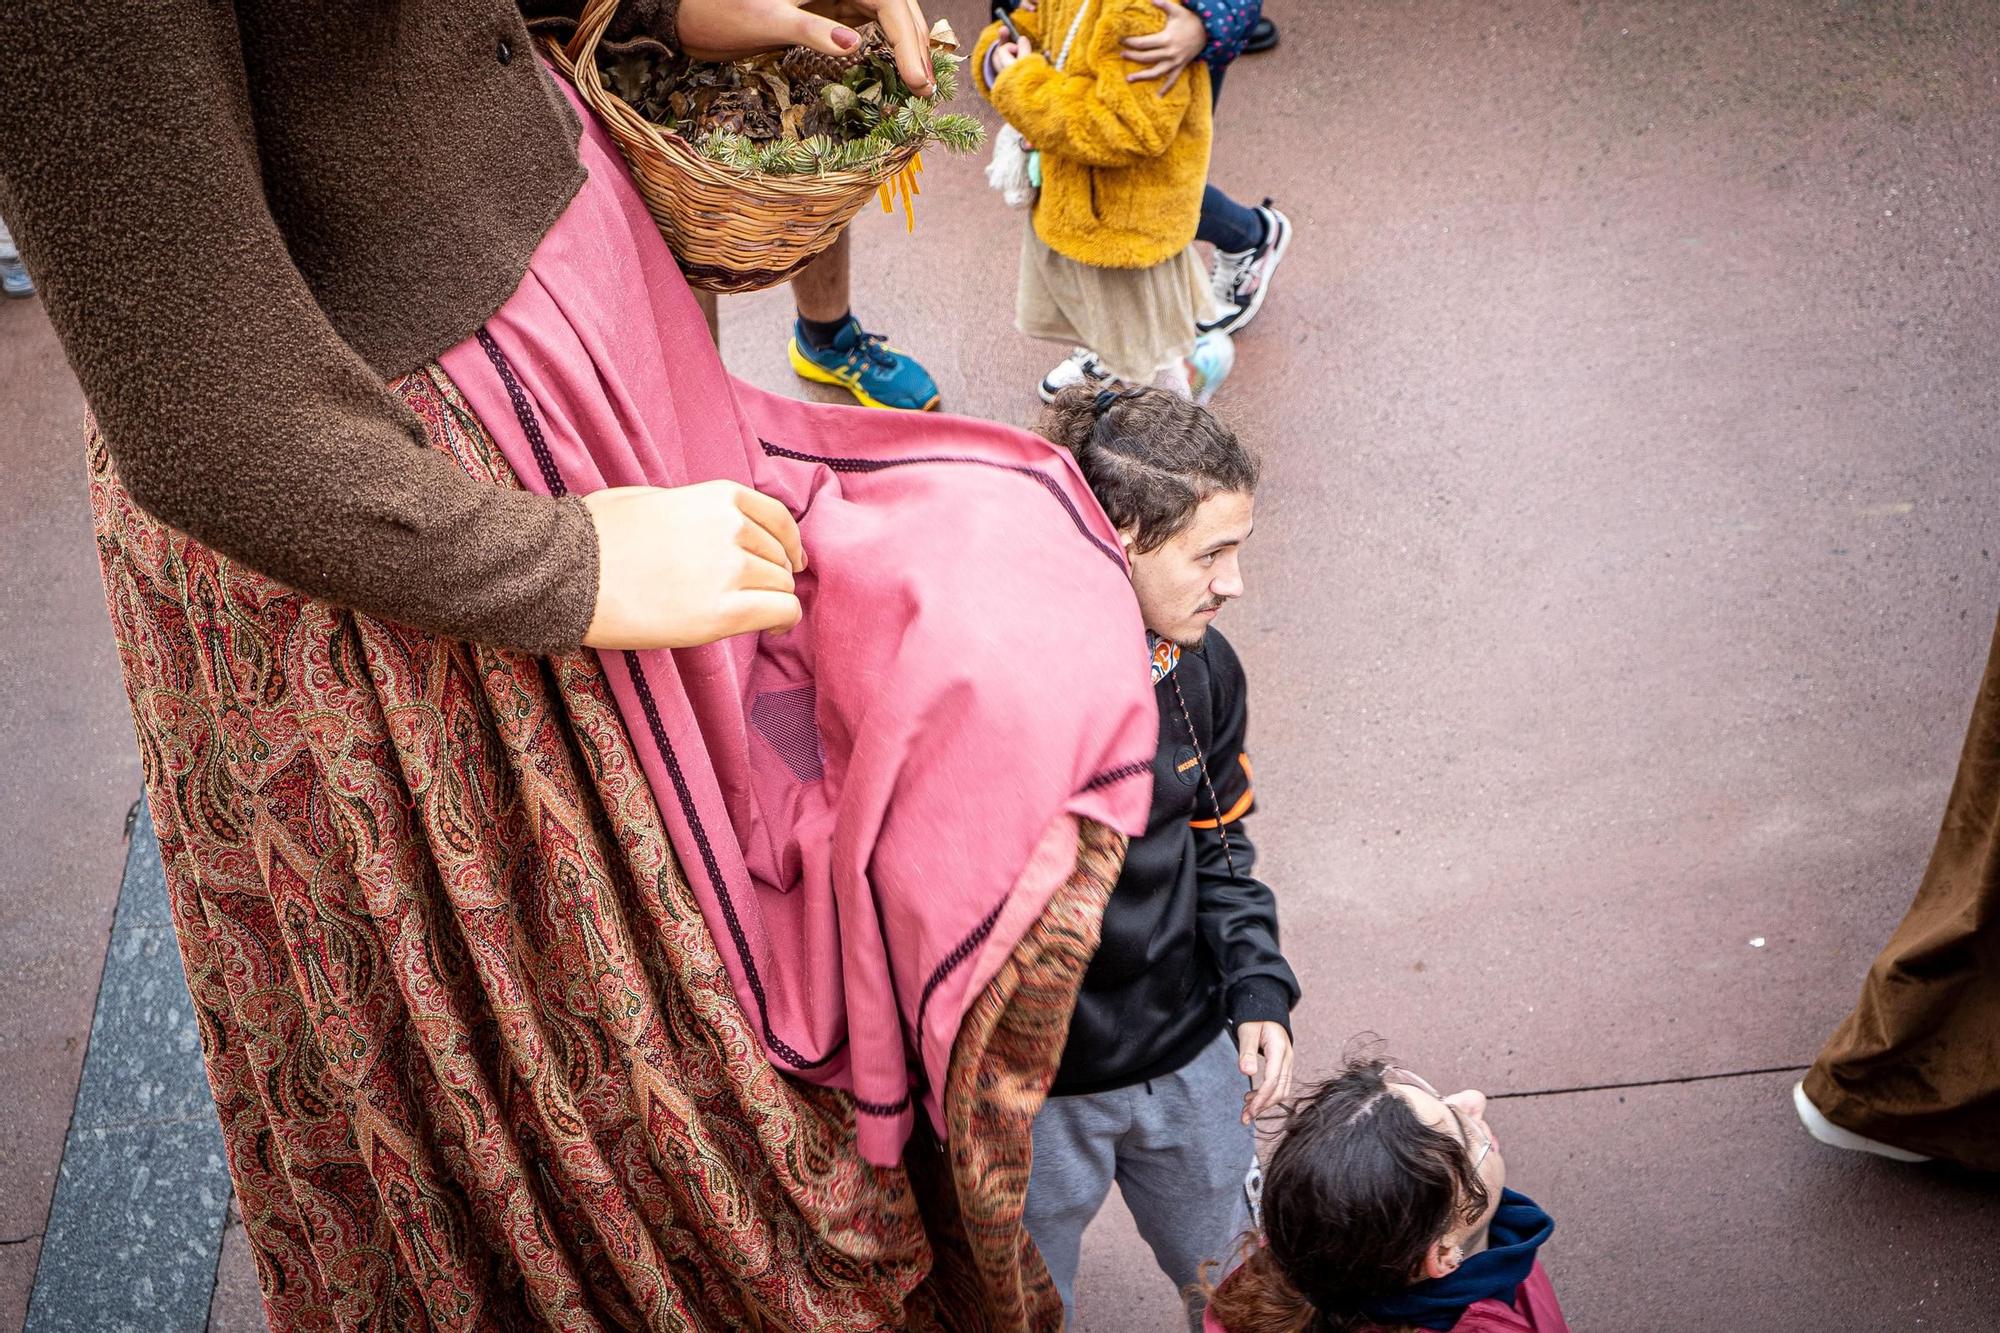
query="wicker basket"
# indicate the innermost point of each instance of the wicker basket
(731, 231)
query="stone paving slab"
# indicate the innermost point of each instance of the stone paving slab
(144, 1058)
(145, 1050)
(142, 1195)
(134, 1230)
(142, 900)
(68, 773)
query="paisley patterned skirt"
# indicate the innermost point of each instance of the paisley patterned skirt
(477, 1060)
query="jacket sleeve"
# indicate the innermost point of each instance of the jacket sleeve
(1029, 21)
(131, 174)
(1094, 117)
(1236, 912)
(1228, 23)
(636, 22)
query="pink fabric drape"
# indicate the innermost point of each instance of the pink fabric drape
(874, 807)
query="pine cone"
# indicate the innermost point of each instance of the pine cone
(802, 64)
(743, 113)
(730, 112)
(874, 44)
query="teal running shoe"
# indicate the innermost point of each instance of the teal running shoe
(866, 366)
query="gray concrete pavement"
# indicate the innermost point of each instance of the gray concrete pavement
(68, 773)
(135, 1229)
(1623, 575)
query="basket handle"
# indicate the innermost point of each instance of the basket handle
(590, 26)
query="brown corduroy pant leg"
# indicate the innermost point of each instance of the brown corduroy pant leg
(1917, 1064)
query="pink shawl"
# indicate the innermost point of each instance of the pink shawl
(873, 808)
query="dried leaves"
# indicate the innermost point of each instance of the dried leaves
(797, 110)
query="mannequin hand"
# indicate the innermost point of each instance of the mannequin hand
(1275, 1045)
(731, 29)
(690, 565)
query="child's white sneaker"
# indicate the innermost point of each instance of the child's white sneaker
(1242, 279)
(1834, 1136)
(1209, 364)
(1080, 366)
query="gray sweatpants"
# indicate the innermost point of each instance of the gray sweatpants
(1180, 1153)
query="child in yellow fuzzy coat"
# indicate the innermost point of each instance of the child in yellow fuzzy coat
(1109, 262)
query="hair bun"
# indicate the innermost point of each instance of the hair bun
(1071, 416)
(1153, 461)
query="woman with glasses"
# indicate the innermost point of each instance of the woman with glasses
(1385, 1208)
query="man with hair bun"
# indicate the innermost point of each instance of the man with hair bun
(1181, 1035)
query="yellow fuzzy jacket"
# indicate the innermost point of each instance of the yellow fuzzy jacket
(1122, 166)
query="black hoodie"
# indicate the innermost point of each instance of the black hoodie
(1190, 936)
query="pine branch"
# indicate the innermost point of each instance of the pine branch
(874, 114)
(945, 70)
(959, 134)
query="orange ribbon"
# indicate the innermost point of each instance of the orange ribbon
(905, 188)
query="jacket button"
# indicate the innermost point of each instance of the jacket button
(506, 52)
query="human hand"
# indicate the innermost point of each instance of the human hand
(1274, 1044)
(732, 29)
(1006, 53)
(691, 564)
(1168, 52)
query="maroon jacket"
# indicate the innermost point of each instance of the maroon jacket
(1534, 1310)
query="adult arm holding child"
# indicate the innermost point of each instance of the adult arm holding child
(1217, 31)
(1167, 53)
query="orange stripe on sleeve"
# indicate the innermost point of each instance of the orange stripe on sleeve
(1242, 806)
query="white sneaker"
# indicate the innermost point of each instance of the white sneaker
(1209, 364)
(1241, 279)
(1082, 365)
(1834, 1136)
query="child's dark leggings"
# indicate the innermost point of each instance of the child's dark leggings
(1226, 224)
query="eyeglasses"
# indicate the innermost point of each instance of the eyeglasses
(1476, 1146)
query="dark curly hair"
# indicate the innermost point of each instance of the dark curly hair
(1150, 455)
(1356, 1192)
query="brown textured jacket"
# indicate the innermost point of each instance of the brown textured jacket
(244, 218)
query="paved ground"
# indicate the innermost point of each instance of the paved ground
(1624, 572)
